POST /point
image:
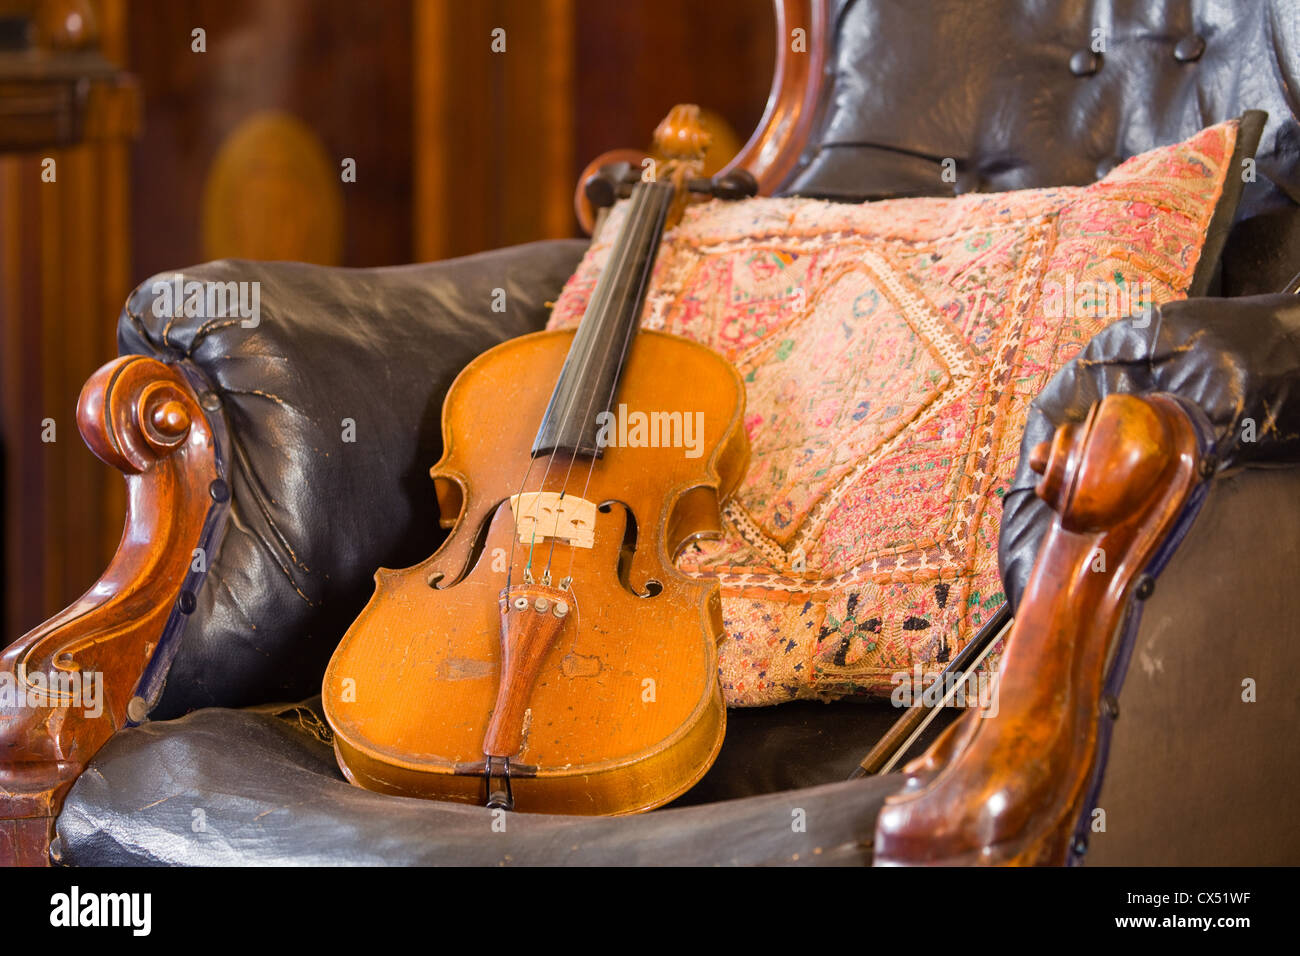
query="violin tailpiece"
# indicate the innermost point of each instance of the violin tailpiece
(532, 617)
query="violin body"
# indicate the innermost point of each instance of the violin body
(589, 687)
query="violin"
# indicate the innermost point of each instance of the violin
(549, 657)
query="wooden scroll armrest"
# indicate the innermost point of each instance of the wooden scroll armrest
(1009, 785)
(68, 685)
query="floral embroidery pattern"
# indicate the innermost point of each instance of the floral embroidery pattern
(890, 352)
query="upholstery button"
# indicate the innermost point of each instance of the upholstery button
(1106, 165)
(1085, 63)
(1189, 48)
(137, 710)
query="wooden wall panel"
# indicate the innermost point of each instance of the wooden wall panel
(494, 131)
(637, 58)
(501, 138)
(342, 69)
(64, 275)
(64, 272)
(458, 149)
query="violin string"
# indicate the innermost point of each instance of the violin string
(643, 229)
(582, 358)
(514, 533)
(652, 223)
(597, 308)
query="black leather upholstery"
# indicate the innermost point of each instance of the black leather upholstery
(229, 787)
(1011, 90)
(312, 514)
(1236, 359)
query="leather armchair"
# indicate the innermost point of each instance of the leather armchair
(254, 529)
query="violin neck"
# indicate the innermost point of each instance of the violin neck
(589, 378)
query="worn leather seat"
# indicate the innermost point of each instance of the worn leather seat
(261, 787)
(1004, 87)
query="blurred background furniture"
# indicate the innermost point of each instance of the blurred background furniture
(68, 116)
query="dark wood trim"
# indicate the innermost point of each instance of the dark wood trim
(1010, 788)
(141, 417)
(775, 146)
(62, 90)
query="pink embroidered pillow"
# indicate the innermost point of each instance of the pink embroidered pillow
(891, 350)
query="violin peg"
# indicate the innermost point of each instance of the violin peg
(606, 179)
(681, 135)
(599, 190)
(609, 183)
(737, 183)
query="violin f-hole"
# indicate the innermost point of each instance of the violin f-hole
(627, 552)
(437, 579)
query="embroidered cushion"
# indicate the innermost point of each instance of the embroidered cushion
(891, 350)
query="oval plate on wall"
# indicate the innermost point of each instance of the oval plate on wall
(273, 192)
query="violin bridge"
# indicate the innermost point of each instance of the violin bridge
(546, 514)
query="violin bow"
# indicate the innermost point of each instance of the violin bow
(888, 751)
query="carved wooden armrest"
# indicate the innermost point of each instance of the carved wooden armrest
(1010, 787)
(68, 685)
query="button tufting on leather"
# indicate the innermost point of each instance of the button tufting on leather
(1189, 48)
(1085, 63)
